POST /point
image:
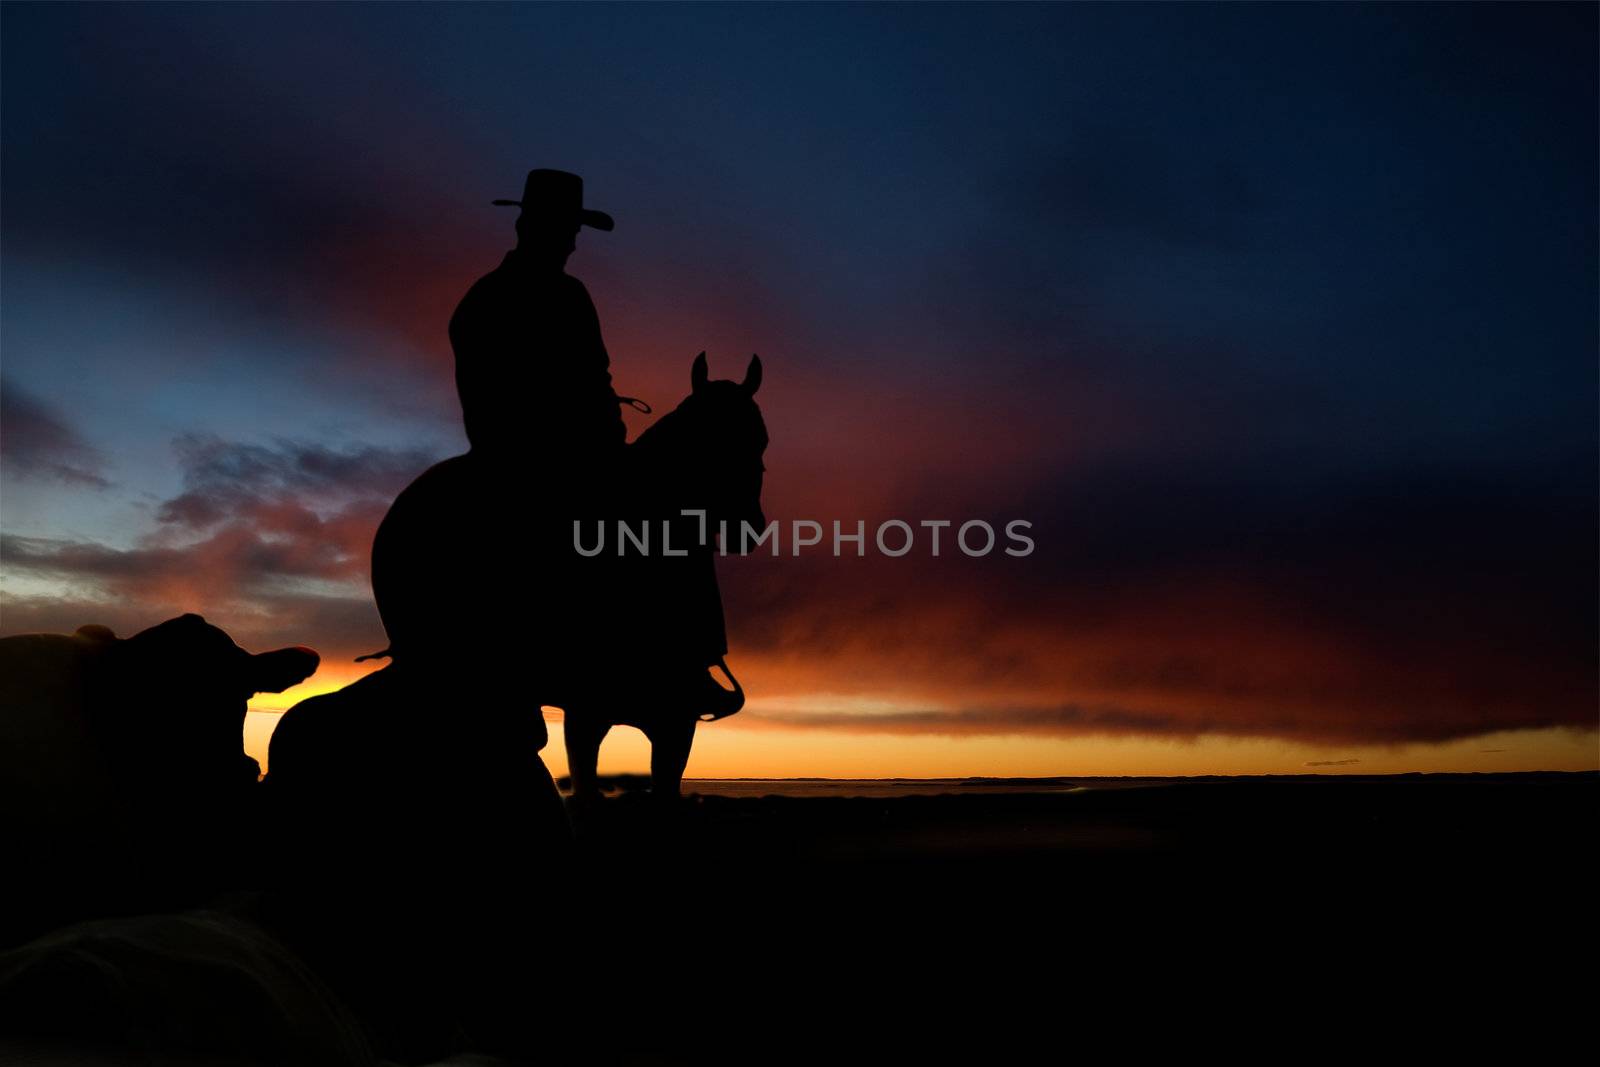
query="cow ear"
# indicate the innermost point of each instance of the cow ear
(698, 375)
(95, 632)
(752, 376)
(273, 672)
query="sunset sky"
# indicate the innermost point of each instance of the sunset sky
(1277, 322)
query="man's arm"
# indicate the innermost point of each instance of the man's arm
(594, 373)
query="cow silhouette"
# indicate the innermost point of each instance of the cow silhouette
(123, 775)
(416, 844)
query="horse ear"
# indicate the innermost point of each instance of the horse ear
(698, 373)
(752, 376)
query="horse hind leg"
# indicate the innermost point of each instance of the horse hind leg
(583, 734)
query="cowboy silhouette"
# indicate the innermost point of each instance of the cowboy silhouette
(543, 418)
(532, 372)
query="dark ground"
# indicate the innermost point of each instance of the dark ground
(1202, 917)
(1283, 918)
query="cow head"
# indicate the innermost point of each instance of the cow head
(174, 695)
(188, 654)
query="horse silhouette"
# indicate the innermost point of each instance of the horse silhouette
(468, 569)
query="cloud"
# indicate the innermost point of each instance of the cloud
(338, 627)
(1331, 762)
(271, 541)
(280, 484)
(1116, 178)
(1068, 720)
(1358, 614)
(36, 441)
(1394, 608)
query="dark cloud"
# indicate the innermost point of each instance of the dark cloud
(36, 441)
(1381, 609)
(272, 540)
(339, 627)
(259, 196)
(1331, 762)
(1069, 720)
(279, 483)
(1139, 182)
(239, 556)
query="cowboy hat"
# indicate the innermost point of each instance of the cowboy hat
(557, 193)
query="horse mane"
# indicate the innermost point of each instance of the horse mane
(685, 426)
(664, 433)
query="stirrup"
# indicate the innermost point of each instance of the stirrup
(724, 702)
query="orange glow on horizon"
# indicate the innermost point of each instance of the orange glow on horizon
(751, 747)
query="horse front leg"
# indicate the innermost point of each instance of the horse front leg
(670, 742)
(584, 731)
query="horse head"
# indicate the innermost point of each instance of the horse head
(735, 440)
(707, 451)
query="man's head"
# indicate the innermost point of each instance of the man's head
(552, 212)
(546, 241)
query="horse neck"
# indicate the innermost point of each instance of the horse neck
(663, 451)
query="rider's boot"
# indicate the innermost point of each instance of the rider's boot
(708, 699)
